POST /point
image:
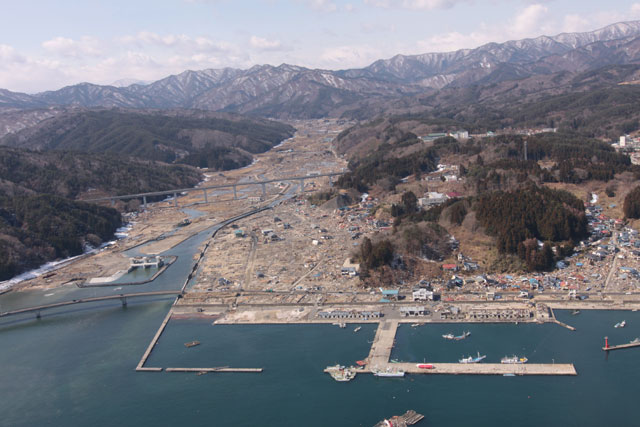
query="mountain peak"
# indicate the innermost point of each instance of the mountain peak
(293, 91)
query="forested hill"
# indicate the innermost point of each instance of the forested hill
(74, 175)
(214, 140)
(607, 111)
(39, 221)
(35, 229)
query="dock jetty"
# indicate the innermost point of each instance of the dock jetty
(607, 347)
(152, 344)
(378, 360)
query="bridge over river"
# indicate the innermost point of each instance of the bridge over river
(235, 185)
(122, 297)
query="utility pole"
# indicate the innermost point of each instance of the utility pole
(525, 150)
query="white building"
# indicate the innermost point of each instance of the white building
(623, 141)
(433, 198)
(350, 268)
(422, 295)
(413, 311)
(461, 134)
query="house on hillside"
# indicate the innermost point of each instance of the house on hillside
(450, 267)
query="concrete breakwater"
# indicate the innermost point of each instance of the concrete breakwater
(378, 360)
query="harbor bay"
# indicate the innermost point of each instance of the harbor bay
(88, 375)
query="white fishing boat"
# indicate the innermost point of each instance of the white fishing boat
(392, 373)
(472, 359)
(620, 324)
(514, 360)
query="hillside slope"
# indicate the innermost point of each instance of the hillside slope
(214, 140)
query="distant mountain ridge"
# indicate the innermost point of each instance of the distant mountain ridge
(289, 91)
(197, 138)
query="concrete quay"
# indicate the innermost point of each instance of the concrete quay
(378, 360)
(382, 344)
(622, 346)
(152, 344)
(488, 368)
(224, 369)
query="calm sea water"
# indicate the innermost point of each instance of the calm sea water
(77, 369)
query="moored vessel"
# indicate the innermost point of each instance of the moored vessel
(393, 373)
(463, 336)
(620, 324)
(514, 360)
(472, 359)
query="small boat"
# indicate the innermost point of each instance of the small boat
(394, 361)
(191, 344)
(472, 359)
(357, 329)
(415, 325)
(409, 418)
(463, 336)
(620, 324)
(425, 366)
(574, 312)
(341, 373)
(389, 373)
(508, 375)
(635, 341)
(514, 360)
(456, 337)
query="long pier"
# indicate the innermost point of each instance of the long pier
(489, 368)
(224, 369)
(378, 360)
(621, 346)
(382, 344)
(122, 297)
(152, 344)
(556, 321)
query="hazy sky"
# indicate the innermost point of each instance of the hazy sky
(48, 44)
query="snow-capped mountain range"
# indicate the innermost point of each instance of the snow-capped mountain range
(289, 91)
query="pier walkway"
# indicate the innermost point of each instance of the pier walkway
(225, 369)
(632, 344)
(378, 360)
(383, 344)
(489, 368)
